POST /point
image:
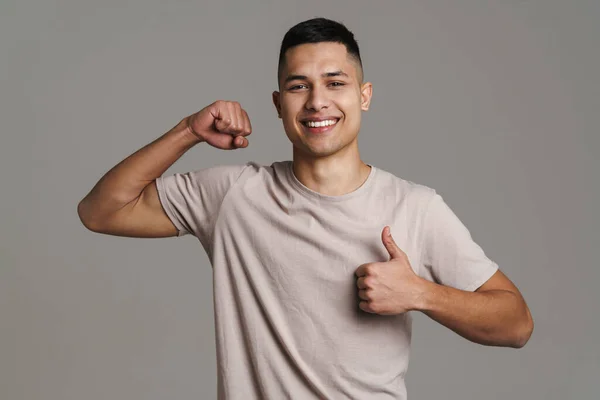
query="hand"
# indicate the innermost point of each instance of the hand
(223, 124)
(389, 287)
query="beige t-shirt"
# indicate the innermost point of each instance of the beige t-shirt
(287, 320)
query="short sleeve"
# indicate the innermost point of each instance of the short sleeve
(450, 255)
(192, 200)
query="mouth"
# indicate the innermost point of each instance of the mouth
(321, 126)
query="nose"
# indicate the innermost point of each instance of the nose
(317, 99)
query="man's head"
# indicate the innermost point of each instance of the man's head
(320, 77)
(319, 30)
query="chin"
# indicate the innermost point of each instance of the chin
(319, 151)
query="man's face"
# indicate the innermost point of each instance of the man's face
(321, 98)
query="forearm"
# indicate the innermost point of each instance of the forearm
(126, 181)
(493, 318)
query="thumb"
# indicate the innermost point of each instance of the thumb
(239, 142)
(390, 245)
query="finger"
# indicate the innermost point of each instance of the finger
(222, 115)
(217, 109)
(247, 124)
(223, 120)
(361, 271)
(240, 142)
(241, 120)
(360, 282)
(364, 295)
(233, 115)
(389, 243)
(364, 305)
(226, 118)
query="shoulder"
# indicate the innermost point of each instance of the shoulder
(405, 190)
(254, 168)
(255, 173)
(237, 170)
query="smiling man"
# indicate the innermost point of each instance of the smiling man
(316, 261)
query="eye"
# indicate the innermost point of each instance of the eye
(296, 87)
(337, 84)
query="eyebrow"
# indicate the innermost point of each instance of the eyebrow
(323, 75)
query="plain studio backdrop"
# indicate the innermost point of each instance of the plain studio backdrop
(494, 104)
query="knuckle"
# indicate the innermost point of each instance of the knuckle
(371, 270)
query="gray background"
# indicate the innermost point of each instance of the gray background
(494, 104)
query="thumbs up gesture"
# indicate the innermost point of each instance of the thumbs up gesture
(389, 287)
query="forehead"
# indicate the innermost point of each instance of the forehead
(312, 59)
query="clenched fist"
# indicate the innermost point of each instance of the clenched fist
(222, 124)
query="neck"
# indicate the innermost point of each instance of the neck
(333, 175)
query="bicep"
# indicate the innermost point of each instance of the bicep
(450, 254)
(143, 218)
(499, 281)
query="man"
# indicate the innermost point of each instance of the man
(316, 261)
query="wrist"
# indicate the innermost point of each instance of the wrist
(190, 131)
(423, 301)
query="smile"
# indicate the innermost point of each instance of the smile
(319, 124)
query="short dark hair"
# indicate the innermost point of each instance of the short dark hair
(318, 30)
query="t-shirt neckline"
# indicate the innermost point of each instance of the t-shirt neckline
(323, 197)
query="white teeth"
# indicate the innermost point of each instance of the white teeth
(319, 124)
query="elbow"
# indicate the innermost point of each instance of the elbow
(86, 218)
(524, 332)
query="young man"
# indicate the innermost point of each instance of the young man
(312, 292)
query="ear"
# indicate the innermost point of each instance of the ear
(277, 103)
(366, 92)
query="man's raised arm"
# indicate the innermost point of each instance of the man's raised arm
(125, 200)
